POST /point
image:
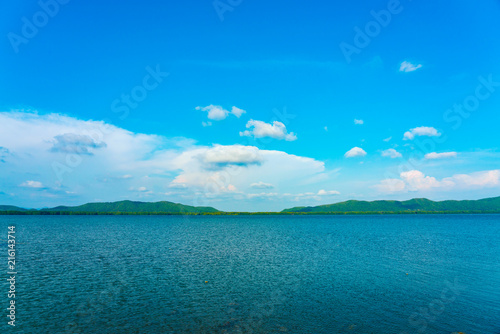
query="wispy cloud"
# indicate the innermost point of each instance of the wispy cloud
(32, 184)
(406, 66)
(443, 155)
(358, 121)
(276, 130)
(261, 185)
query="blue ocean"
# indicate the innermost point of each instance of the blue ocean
(381, 274)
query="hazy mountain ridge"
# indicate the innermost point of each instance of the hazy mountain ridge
(11, 208)
(416, 204)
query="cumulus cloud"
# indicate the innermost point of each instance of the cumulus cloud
(415, 180)
(134, 160)
(355, 152)
(358, 121)
(218, 113)
(391, 153)
(444, 155)
(32, 184)
(421, 131)
(261, 185)
(276, 130)
(406, 66)
(212, 168)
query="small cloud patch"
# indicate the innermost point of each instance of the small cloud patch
(276, 130)
(355, 152)
(406, 66)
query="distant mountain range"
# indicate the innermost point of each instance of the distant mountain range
(121, 207)
(417, 205)
(10, 208)
(413, 205)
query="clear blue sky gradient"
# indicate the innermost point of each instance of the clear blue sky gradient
(264, 56)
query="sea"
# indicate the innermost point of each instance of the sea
(380, 274)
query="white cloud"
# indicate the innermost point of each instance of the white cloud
(276, 130)
(421, 131)
(444, 155)
(387, 139)
(261, 185)
(328, 192)
(355, 152)
(217, 113)
(32, 184)
(232, 155)
(391, 153)
(134, 160)
(483, 179)
(74, 143)
(406, 66)
(205, 124)
(326, 128)
(151, 165)
(391, 186)
(358, 121)
(237, 111)
(139, 189)
(212, 168)
(320, 195)
(415, 180)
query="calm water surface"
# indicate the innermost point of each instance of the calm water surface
(256, 274)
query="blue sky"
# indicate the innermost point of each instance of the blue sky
(248, 105)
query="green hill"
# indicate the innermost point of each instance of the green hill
(134, 207)
(11, 208)
(413, 205)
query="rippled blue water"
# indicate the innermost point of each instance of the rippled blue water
(257, 274)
